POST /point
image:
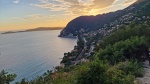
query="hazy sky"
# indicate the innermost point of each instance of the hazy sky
(24, 14)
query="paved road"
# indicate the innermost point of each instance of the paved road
(83, 50)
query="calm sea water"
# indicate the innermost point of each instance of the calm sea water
(30, 54)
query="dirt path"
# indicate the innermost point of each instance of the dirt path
(146, 78)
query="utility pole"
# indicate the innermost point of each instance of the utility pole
(149, 56)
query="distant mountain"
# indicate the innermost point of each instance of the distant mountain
(35, 29)
(45, 28)
(138, 9)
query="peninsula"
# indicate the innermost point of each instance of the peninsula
(35, 29)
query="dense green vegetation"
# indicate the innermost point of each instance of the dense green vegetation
(118, 60)
(132, 48)
(144, 10)
(126, 32)
(102, 73)
(6, 78)
(71, 56)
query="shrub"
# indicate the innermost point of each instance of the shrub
(95, 75)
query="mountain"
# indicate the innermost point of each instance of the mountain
(35, 29)
(108, 20)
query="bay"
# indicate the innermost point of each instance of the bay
(30, 54)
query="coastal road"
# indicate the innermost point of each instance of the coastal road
(83, 50)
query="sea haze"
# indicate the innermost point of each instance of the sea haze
(29, 54)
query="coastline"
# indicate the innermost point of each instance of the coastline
(69, 42)
(31, 30)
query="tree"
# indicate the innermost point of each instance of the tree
(6, 78)
(122, 50)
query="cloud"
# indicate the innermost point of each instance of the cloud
(75, 7)
(16, 1)
(30, 17)
(15, 18)
(127, 2)
(34, 16)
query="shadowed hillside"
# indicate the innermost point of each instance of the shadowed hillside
(108, 20)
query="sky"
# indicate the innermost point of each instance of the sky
(28, 14)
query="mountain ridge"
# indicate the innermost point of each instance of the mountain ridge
(99, 21)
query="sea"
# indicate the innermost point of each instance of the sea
(30, 54)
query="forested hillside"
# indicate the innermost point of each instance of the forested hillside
(117, 61)
(109, 20)
(119, 51)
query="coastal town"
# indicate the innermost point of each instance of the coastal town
(92, 42)
(88, 41)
